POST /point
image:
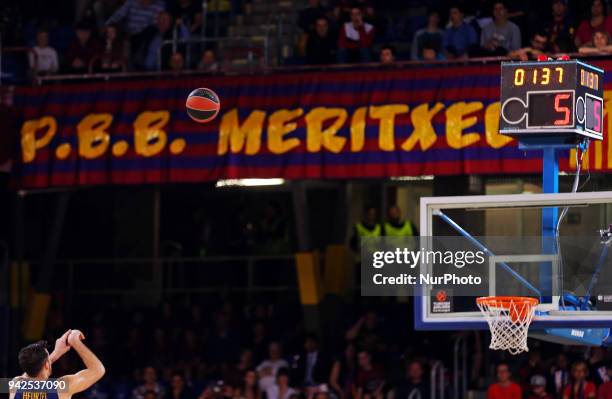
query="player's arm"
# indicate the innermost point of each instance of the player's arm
(61, 347)
(94, 369)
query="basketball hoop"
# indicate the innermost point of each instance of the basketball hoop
(509, 318)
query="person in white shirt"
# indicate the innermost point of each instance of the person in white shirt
(280, 390)
(43, 58)
(268, 368)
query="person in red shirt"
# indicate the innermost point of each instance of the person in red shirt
(355, 39)
(605, 389)
(579, 387)
(599, 21)
(504, 388)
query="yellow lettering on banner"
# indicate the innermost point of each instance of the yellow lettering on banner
(423, 132)
(233, 136)
(149, 136)
(494, 139)
(608, 136)
(386, 127)
(317, 137)
(456, 124)
(358, 129)
(279, 125)
(29, 143)
(93, 137)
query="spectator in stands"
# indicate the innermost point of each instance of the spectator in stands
(234, 374)
(343, 372)
(414, 385)
(539, 46)
(268, 368)
(371, 16)
(281, 389)
(501, 36)
(178, 390)
(82, 49)
(460, 37)
(579, 387)
(366, 332)
(187, 13)
(310, 15)
(249, 389)
(560, 32)
(166, 30)
(320, 44)
(533, 366)
(430, 52)
(504, 388)
(260, 341)
(310, 367)
(598, 21)
(431, 35)
(598, 364)
(370, 378)
(356, 39)
(599, 45)
(387, 55)
(113, 54)
(559, 375)
(139, 18)
(605, 389)
(538, 388)
(150, 384)
(208, 61)
(43, 58)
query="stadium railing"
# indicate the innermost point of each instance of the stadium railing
(269, 69)
(238, 54)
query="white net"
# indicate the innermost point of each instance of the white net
(509, 319)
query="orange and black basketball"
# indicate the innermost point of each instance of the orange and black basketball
(203, 105)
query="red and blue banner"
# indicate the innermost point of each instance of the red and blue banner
(440, 120)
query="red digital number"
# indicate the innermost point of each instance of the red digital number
(562, 109)
(597, 115)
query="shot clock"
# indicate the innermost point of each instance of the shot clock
(561, 100)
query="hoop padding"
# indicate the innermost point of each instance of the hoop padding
(509, 318)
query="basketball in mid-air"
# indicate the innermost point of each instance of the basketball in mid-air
(203, 105)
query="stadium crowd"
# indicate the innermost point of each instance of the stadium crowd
(113, 35)
(262, 351)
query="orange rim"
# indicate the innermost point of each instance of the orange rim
(506, 301)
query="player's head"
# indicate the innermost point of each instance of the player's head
(34, 360)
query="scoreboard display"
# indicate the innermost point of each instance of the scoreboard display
(560, 99)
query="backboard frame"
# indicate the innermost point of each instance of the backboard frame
(474, 320)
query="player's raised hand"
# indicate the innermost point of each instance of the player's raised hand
(75, 337)
(61, 347)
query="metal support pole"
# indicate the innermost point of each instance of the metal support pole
(550, 184)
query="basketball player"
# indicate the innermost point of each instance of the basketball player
(35, 361)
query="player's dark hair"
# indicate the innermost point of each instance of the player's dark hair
(32, 358)
(388, 47)
(502, 364)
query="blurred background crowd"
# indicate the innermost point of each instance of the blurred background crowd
(260, 349)
(213, 35)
